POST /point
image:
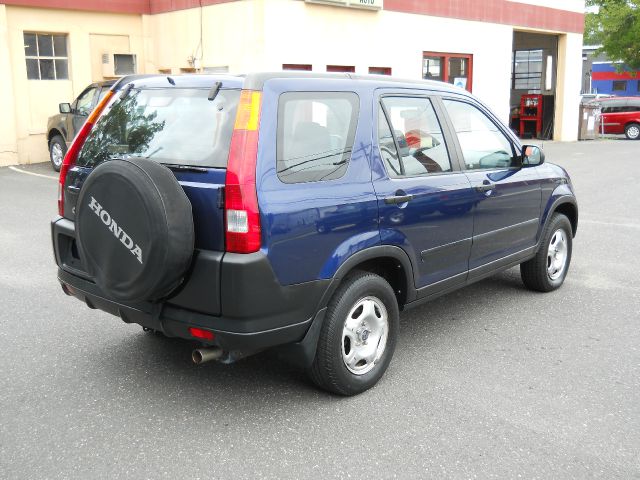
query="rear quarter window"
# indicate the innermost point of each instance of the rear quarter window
(315, 136)
(167, 125)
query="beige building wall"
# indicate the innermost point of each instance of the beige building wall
(568, 87)
(8, 144)
(105, 44)
(232, 36)
(36, 100)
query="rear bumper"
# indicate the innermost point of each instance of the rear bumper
(237, 297)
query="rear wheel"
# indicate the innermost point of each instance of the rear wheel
(57, 151)
(632, 131)
(547, 270)
(358, 336)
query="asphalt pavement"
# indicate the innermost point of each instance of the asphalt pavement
(492, 381)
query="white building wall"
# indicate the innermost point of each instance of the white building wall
(324, 35)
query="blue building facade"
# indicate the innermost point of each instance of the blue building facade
(605, 79)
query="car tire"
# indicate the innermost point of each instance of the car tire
(57, 151)
(362, 320)
(547, 270)
(632, 131)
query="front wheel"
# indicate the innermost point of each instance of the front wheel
(57, 150)
(547, 270)
(358, 336)
(632, 131)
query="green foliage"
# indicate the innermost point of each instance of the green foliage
(615, 26)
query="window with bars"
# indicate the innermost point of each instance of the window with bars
(526, 70)
(46, 56)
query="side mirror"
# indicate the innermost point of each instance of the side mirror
(64, 108)
(532, 156)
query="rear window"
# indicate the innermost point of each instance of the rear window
(315, 135)
(167, 125)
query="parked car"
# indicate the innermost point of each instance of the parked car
(620, 115)
(62, 127)
(278, 210)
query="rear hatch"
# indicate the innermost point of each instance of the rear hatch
(185, 123)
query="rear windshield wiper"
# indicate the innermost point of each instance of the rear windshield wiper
(213, 93)
(184, 168)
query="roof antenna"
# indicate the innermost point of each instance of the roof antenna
(171, 81)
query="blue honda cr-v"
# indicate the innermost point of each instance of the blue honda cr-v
(300, 211)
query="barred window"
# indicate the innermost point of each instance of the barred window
(46, 56)
(526, 70)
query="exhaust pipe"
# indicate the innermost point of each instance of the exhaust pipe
(202, 355)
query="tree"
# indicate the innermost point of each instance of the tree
(615, 24)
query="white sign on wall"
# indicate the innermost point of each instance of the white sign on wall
(370, 4)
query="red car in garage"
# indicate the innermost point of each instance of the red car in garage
(621, 115)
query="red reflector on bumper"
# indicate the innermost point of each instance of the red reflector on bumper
(200, 333)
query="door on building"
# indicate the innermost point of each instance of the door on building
(454, 68)
(533, 71)
(425, 201)
(507, 197)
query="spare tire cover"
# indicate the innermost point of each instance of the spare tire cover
(134, 229)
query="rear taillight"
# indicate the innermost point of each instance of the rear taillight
(200, 333)
(72, 154)
(241, 201)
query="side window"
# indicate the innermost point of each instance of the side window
(483, 144)
(315, 135)
(85, 101)
(418, 136)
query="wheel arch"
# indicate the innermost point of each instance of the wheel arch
(390, 262)
(52, 133)
(570, 210)
(567, 205)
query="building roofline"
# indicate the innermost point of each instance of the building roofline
(506, 12)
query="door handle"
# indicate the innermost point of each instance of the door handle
(73, 189)
(398, 199)
(485, 187)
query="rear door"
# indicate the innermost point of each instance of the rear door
(507, 197)
(424, 200)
